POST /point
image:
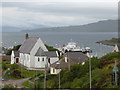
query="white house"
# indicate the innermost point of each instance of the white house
(15, 57)
(116, 48)
(43, 58)
(69, 59)
(30, 53)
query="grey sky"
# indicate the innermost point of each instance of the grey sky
(25, 14)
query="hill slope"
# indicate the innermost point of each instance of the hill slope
(101, 26)
(78, 76)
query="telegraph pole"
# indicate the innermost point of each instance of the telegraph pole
(36, 80)
(68, 61)
(115, 74)
(90, 72)
(59, 76)
(45, 78)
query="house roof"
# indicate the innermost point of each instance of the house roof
(16, 53)
(77, 56)
(51, 54)
(28, 44)
(73, 58)
(60, 64)
(40, 52)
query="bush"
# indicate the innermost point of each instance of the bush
(110, 56)
(8, 87)
(17, 74)
(9, 51)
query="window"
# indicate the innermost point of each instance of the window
(38, 59)
(42, 59)
(53, 70)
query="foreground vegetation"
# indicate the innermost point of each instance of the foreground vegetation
(14, 71)
(78, 76)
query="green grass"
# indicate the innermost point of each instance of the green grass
(26, 84)
(18, 72)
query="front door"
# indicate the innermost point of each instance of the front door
(17, 60)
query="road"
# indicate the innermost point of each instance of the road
(17, 83)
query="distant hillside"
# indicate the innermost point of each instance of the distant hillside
(111, 42)
(101, 26)
(16, 29)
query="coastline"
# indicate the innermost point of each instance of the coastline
(111, 42)
(106, 43)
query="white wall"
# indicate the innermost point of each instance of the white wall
(56, 71)
(116, 49)
(25, 59)
(40, 63)
(21, 58)
(53, 59)
(12, 58)
(34, 50)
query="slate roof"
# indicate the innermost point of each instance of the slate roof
(62, 64)
(77, 56)
(73, 58)
(40, 52)
(28, 44)
(51, 54)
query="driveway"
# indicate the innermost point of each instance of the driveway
(17, 83)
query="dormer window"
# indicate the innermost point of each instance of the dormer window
(42, 59)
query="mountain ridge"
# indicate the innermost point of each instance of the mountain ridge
(100, 26)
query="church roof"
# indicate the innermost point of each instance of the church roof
(28, 44)
(40, 52)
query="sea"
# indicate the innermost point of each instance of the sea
(58, 39)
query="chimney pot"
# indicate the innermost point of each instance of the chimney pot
(26, 36)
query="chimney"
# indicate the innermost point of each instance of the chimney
(26, 36)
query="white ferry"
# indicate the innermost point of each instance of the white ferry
(71, 46)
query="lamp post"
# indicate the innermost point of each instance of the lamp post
(45, 75)
(59, 74)
(90, 76)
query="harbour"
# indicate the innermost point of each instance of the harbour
(58, 39)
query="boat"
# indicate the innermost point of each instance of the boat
(72, 47)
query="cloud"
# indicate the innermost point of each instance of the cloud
(24, 14)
